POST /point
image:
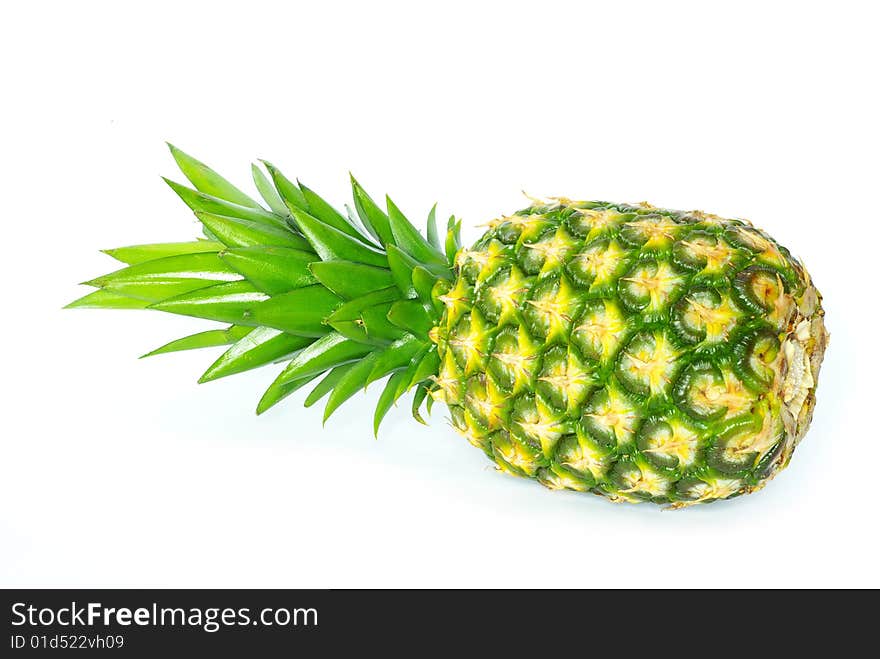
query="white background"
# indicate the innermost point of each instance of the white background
(119, 472)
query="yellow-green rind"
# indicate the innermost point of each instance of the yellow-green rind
(638, 353)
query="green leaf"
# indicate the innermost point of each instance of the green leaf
(205, 203)
(387, 398)
(184, 266)
(396, 356)
(374, 218)
(410, 372)
(407, 237)
(167, 277)
(453, 239)
(262, 346)
(232, 303)
(370, 313)
(376, 323)
(134, 254)
(301, 311)
(279, 390)
(273, 270)
(103, 299)
(428, 365)
(209, 339)
(402, 265)
(423, 283)
(332, 244)
(326, 385)
(352, 309)
(412, 316)
(349, 279)
(320, 209)
(433, 236)
(355, 330)
(353, 219)
(354, 379)
(236, 232)
(268, 192)
(289, 192)
(325, 353)
(418, 399)
(208, 181)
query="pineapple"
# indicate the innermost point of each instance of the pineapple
(634, 352)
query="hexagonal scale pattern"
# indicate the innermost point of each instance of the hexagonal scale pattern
(638, 353)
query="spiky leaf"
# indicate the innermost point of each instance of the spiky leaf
(272, 269)
(263, 345)
(325, 353)
(354, 379)
(332, 244)
(103, 299)
(325, 386)
(208, 339)
(134, 254)
(238, 232)
(287, 190)
(268, 192)
(167, 277)
(407, 237)
(431, 230)
(279, 390)
(372, 217)
(387, 398)
(208, 181)
(205, 203)
(324, 212)
(349, 279)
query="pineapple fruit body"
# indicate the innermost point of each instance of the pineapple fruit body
(635, 352)
(638, 353)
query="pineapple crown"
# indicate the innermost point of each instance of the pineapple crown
(347, 296)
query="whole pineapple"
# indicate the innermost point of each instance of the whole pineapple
(638, 353)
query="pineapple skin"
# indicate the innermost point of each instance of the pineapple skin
(638, 353)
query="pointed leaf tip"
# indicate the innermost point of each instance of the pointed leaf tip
(261, 346)
(268, 192)
(278, 391)
(392, 391)
(207, 339)
(287, 190)
(135, 254)
(408, 238)
(332, 244)
(208, 181)
(350, 382)
(372, 217)
(323, 211)
(104, 299)
(200, 201)
(433, 235)
(418, 398)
